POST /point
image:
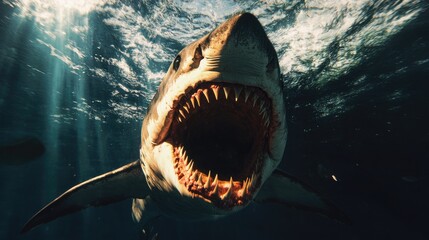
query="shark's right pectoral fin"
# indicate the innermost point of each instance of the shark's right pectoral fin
(284, 189)
(122, 183)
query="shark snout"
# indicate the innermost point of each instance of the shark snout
(240, 45)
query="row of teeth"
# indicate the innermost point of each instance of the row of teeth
(197, 177)
(238, 93)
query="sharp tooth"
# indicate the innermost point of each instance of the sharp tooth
(252, 182)
(188, 106)
(216, 92)
(247, 93)
(181, 113)
(215, 181)
(255, 99)
(229, 191)
(226, 91)
(249, 184)
(181, 151)
(207, 184)
(186, 109)
(193, 102)
(244, 188)
(199, 181)
(265, 115)
(214, 191)
(261, 107)
(185, 161)
(179, 119)
(197, 97)
(237, 91)
(206, 93)
(190, 165)
(194, 175)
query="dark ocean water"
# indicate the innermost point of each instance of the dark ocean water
(79, 75)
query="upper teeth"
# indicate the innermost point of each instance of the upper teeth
(216, 92)
(237, 91)
(211, 94)
(226, 92)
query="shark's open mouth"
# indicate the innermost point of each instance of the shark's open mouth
(220, 133)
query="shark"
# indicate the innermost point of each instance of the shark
(212, 138)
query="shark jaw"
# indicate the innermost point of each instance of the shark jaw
(219, 135)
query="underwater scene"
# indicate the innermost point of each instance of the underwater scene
(225, 119)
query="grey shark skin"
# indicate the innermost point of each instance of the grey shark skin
(212, 138)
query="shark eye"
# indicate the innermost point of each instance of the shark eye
(176, 62)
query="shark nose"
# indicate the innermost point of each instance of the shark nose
(247, 30)
(248, 34)
(243, 45)
(242, 30)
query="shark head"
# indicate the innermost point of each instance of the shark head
(211, 141)
(216, 128)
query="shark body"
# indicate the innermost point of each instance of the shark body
(211, 141)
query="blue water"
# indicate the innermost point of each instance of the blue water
(79, 76)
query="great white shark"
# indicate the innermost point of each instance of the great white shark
(212, 138)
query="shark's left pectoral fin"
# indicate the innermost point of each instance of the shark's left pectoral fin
(282, 188)
(122, 183)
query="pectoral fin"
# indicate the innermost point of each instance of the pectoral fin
(122, 183)
(284, 189)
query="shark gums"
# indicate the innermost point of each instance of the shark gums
(212, 138)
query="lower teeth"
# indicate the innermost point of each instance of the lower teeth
(194, 180)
